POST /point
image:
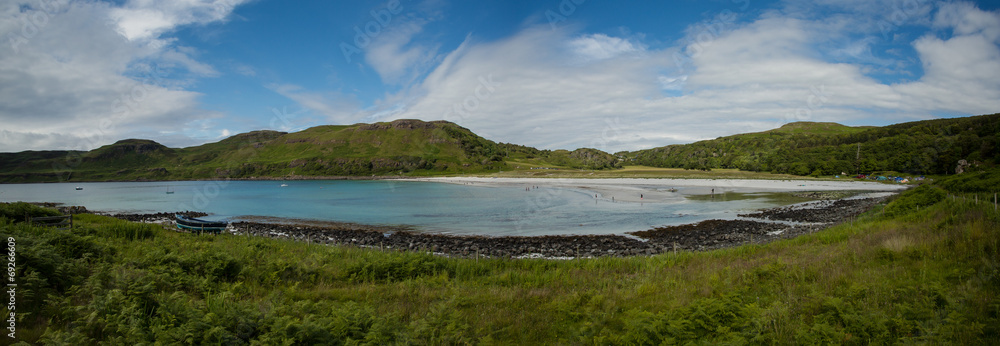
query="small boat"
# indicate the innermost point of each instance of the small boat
(169, 192)
(284, 185)
(193, 224)
(79, 188)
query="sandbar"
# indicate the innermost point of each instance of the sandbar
(665, 190)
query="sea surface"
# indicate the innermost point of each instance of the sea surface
(424, 206)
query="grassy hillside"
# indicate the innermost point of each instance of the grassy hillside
(925, 269)
(922, 147)
(418, 148)
(817, 128)
(401, 147)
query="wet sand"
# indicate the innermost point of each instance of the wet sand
(663, 190)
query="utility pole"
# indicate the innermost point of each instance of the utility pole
(858, 159)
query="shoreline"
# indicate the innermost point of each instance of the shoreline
(759, 227)
(629, 190)
(670, 189)
(471, 178)
(290, 178)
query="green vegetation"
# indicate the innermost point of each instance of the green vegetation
(418, 148)
(401, 147)
(922, 147)
(22, 212)
(923, 269)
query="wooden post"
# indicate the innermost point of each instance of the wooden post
(675, 248)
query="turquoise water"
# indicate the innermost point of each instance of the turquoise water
(425, 206)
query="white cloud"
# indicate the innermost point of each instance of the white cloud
(148, 19)
(601, 46)
(77, 83)
(749, 77)
(965, 19)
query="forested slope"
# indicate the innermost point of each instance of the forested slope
(921, 147)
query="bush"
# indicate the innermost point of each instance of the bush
(915, 199)
(19, 210)
(986, 181)
(722, 319)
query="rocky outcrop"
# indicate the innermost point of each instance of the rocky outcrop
(962, 166)
(404, 124)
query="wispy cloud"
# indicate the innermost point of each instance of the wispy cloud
(396, 56)
(335, 107)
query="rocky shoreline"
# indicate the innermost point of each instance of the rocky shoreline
(757, 228)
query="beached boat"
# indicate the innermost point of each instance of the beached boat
(193, 224)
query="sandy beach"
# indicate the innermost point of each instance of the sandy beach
(662, 190)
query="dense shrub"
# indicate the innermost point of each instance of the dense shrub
(920, 197)
(18, 211)
(985, 181)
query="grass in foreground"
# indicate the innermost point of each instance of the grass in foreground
(913, 273)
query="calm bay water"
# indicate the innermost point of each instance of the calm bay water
(426, 206)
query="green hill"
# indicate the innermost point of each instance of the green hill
(817, 128)
(401, 147)
(419, 148)
(921, 147)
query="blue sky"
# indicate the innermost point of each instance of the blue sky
(551, 74)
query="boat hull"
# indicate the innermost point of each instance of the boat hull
(193, 224)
